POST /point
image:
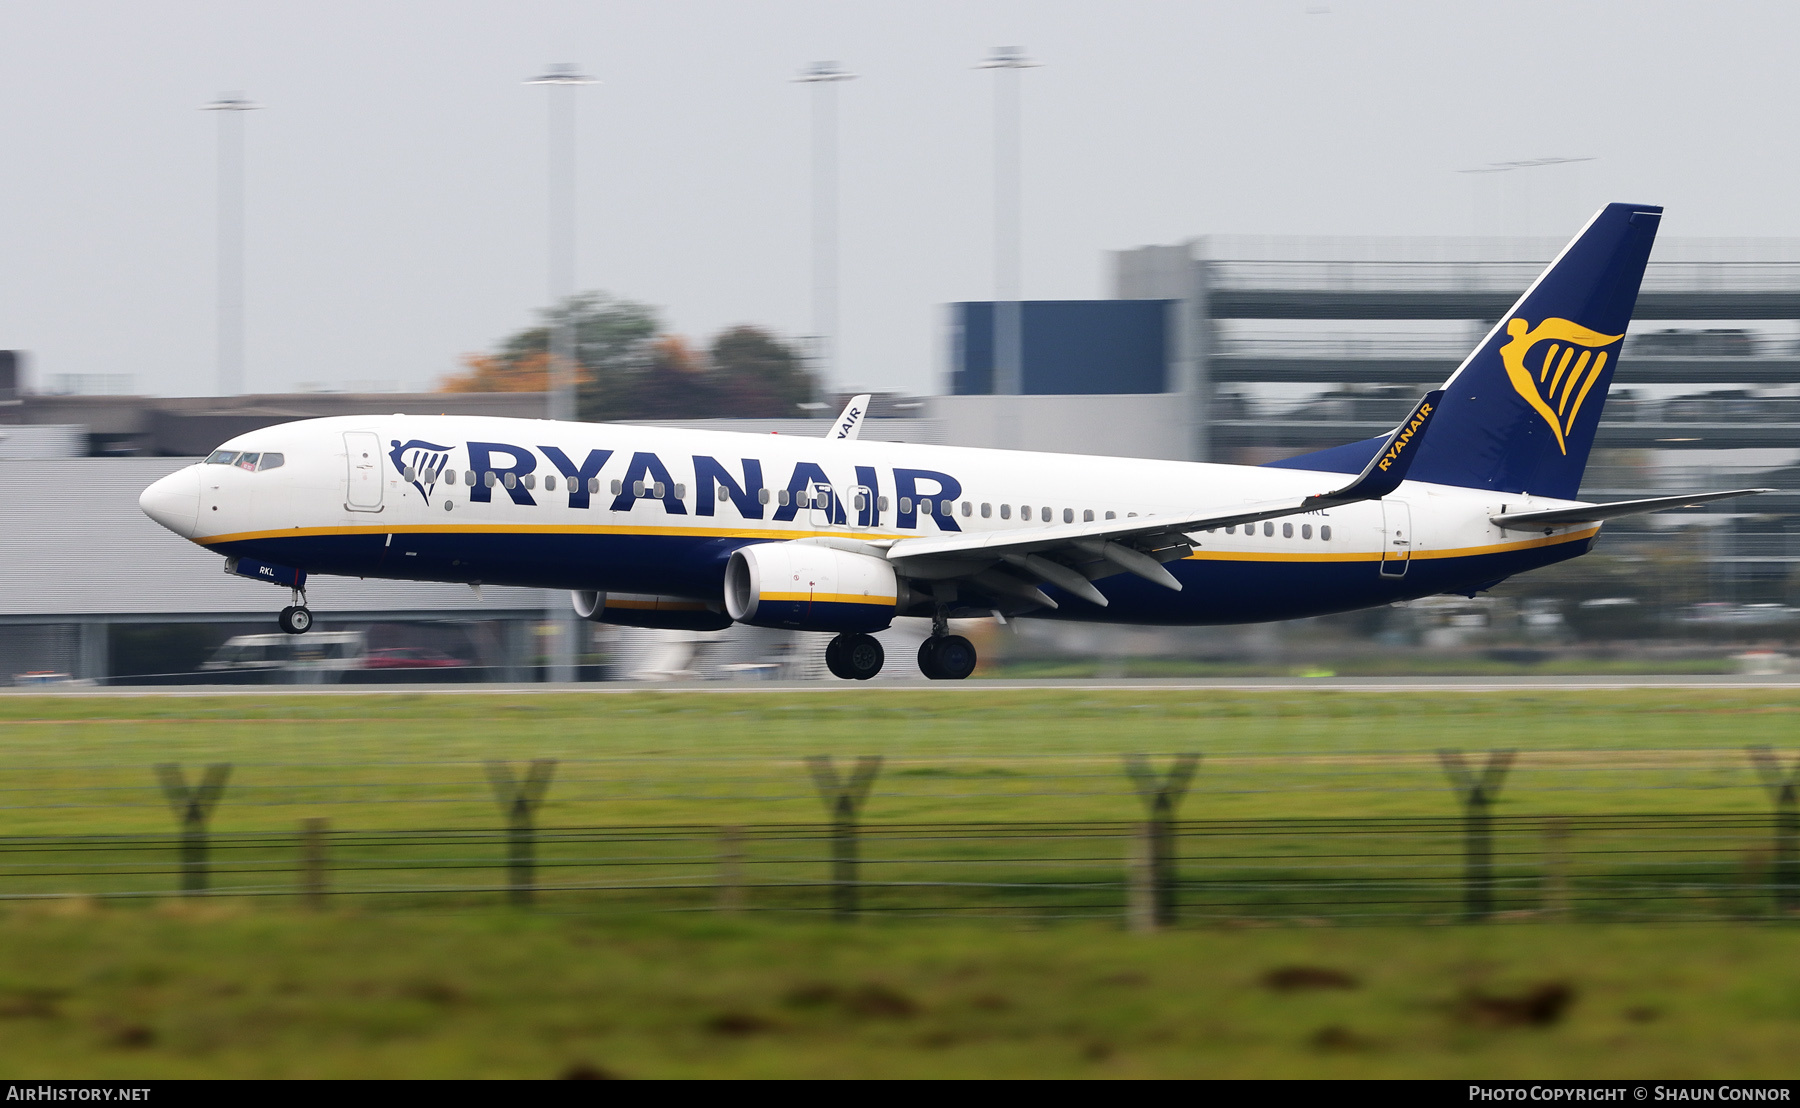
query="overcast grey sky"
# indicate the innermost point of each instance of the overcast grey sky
(396, 179)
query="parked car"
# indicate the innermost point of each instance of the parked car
(321, 651)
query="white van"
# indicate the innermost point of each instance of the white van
(321, 652)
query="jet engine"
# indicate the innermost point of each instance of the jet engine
(671, 613)
(809, 587)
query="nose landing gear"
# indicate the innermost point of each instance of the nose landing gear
(854, 657)
(296, 618)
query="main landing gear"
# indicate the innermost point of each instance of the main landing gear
(946, 657)
(296, 618)
(854, 657)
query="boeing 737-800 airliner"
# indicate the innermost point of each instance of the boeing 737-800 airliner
(651, 527)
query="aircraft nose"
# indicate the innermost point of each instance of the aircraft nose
(174, 501)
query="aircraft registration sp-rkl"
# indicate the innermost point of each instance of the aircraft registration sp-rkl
(650, 527)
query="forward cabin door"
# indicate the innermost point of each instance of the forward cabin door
(362, 453)
(1396, 538)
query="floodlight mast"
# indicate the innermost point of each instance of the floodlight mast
(824, 77)
(1009, 328)
(560, 383)
(231, 107)
(562, 79)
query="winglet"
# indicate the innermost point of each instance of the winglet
(849, 424)
(1388, 467)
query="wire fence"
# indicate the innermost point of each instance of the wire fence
(1153, 872)
(1346, 871)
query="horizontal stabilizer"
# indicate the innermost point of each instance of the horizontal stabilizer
(1594, 513)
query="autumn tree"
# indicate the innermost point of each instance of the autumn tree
(628, 369)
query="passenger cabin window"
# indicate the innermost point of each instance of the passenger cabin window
(1287, 530)
(925, 507)
(1112, 515)
(512, 481)
(594, 486)
(468, 477)
(1231, 530)
(905, 505)
(881, 503)
(409, 474)
(724, 494)
(1087, 516)
(490, 478)
(549, 482)
(1069, 515)
(1006, 511)
(968, 508)
(1325, 533)
(1306, 530)
(762, 495)
(661, 490)
(680, 492)
(528, 481)
(1268, 530)
(1025, 513)
(987, 510)
(221, 457)
(781, 497)
(617, 486)
(637, 488)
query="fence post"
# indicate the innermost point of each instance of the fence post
(844, 799)
(519, 801)
(731, 869)
(193, 804)
(1783, 784)
(1477, 793)
(1161, 795)
(1556, 867)
(312, 862)
(1140, 880)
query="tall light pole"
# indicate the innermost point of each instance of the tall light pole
(560, 394)
(1009, 323)
(824, 77)
(563, 80)
(231, 107)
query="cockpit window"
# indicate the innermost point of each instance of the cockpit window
(222, 457)
(270, 461)
(248, 461)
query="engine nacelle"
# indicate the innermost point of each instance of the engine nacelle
(669, 613)
(807, 587)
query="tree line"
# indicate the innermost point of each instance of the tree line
(629, 367)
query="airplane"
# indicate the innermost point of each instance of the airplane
(696, 530)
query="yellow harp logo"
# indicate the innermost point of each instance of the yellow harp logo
(1555, 386)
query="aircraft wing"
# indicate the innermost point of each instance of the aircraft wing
(1072, 555)
(1593, 513)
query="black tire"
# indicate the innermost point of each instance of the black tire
(294, 620)
(955, 658)
(862, 656)
(928, 660)
(834, 658)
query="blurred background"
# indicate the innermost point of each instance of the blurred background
(1229, 232)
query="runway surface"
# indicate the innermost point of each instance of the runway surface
(1231, 684)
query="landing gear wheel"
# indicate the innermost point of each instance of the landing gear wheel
(947, 658)
(854, 657)
(834, 657)
(295, 619)
(862, 656)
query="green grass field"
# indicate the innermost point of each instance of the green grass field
(221, 991)
(461, 985)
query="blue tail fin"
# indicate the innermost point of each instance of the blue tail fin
(1519, 414)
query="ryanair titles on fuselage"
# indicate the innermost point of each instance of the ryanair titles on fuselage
(519, 472)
